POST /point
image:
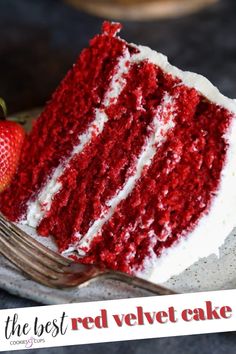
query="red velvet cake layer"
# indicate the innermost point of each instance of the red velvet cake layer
(65, 117)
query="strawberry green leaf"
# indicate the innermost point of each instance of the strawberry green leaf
(3, 106)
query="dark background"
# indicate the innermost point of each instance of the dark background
(39, 41)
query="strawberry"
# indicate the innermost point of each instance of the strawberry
(11, 141)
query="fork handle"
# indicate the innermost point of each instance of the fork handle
(139, 282)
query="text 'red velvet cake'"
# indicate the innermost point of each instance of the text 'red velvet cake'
(132, 164)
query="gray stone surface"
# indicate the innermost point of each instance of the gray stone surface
(40, 39)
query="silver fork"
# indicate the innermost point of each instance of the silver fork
(51, 269)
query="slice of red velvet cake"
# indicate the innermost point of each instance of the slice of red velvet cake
(132, 164)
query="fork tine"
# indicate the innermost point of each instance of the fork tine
(5, 250)
(33, 243)
(33, 251)
(53, 256)
(25, 259)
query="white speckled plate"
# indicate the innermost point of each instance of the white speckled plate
(210, 273)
